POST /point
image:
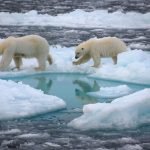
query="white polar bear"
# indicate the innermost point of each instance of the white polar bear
(30, 46)
(97, 48)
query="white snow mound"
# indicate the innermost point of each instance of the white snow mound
(125, 112)
(20, 100)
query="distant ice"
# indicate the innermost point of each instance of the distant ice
(19, 100)
(79, 18)
(12, 131)
(33, 135)
(52, 144)
(111, 92)
(125, 112)
(131, 147)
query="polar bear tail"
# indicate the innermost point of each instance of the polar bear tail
(49, 58)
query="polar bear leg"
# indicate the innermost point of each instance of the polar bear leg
(18, 61)
(82, 60)
(49, 58)
(42, 63)
(96, 60)
(114, 59)
(6, 59)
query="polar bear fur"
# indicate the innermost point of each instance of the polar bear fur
(30, 46)
(97, 48)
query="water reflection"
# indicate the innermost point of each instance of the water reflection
(44, 84)
(85, 87)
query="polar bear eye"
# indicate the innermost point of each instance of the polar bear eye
(82, 48)
(78, 53)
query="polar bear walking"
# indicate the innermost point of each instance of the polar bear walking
(97, 48)
(30, 46)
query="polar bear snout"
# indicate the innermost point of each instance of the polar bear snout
(76, 57)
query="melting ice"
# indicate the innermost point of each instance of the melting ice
(125, 112)
(20, 100)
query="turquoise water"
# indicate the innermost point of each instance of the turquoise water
(73, 89)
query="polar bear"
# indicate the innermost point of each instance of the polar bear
(97, 48)
(30, 46)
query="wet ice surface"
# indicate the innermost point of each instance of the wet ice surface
(50, 131)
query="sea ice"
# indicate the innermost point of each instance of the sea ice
(125, 112)
(20, 100)
(133, 66)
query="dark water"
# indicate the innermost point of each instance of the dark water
(52, 127)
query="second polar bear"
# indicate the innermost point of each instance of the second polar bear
(30, 46)
(97, 48)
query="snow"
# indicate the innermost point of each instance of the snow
(20, 100)
(125, 112)
(79, 18)
(111, 92)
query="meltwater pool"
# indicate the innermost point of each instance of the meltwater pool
(50, 130)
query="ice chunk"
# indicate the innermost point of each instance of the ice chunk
(19, 100)
(33, 135)
(12, 131)
(133, 66)
(111, 92)
(125, 112)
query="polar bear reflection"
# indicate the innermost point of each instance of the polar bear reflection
(81, 94)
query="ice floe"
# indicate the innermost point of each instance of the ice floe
(125, 112)
(20, 100)
(133, 66)
(79, 18)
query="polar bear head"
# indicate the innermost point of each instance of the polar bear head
(81, 50)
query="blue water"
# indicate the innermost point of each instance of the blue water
(73, 89)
